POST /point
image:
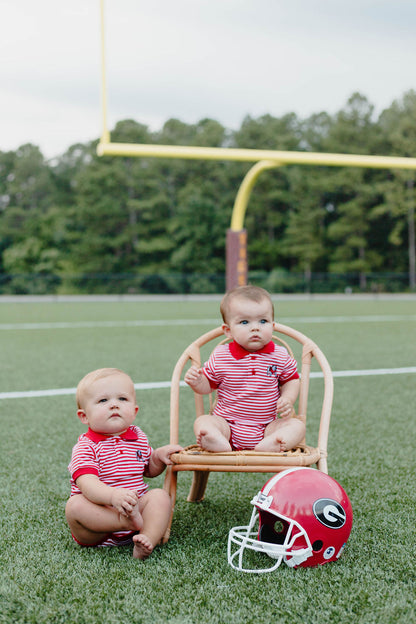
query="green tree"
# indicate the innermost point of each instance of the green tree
(200, 203)
(304, 238)
(119, 218)
(398, 125)
(199, 235)
(353, 192)
(31, 239)
(305, 242)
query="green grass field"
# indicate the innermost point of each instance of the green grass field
(46, 578)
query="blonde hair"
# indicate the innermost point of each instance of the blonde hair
(87, 381)
(253, 293)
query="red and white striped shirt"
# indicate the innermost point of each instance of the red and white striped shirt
(118, 461)
(248, 383)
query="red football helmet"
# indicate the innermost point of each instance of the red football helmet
(304, 518)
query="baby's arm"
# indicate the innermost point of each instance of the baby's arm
(196, 379)
(160, 458)
(122, 499)
(288, 395)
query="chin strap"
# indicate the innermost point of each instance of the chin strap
(296, 559)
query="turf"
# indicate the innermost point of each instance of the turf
(46, 578)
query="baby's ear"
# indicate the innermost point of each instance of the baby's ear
(137, 409)
(82, 416)
(225, 328)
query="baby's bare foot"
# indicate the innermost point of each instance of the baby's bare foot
(214, 442)
(143, 547)
(270, 444)
(134, 520)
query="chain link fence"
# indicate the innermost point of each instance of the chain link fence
(277, 281)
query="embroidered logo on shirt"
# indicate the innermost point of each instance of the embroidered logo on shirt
(272, 370)
(139, 455)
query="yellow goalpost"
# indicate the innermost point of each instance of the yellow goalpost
(236, 242)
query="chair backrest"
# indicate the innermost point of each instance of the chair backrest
(309, 350)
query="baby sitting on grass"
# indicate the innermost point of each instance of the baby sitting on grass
(110, 504)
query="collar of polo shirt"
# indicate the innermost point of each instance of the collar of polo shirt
(238, 352)
(130, 434)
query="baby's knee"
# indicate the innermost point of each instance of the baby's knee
(73, 507)
(202, 422)
(161, 498)
(299, 425)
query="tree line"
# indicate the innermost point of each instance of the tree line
(81, 223)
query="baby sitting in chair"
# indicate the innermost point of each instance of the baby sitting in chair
(256, 380)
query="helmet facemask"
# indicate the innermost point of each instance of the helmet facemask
(275, 535)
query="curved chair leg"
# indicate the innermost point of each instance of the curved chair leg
(170, 485)
(199, 483)
(322, 465)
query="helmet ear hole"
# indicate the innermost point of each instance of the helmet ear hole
(279, 527)
(317, 545)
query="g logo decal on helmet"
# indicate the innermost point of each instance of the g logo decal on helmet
(330, 513)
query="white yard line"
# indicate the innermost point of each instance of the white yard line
(29, 394)
(386, 318)
(94, 324)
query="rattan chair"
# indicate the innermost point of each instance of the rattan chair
(203, 462)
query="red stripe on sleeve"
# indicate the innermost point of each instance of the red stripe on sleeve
(294, 376)
(86, 470)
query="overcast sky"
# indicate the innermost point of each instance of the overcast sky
(192, 59)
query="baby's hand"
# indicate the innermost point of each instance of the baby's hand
(124, 500)
(164, 452)
(284, 408)
(193, 376)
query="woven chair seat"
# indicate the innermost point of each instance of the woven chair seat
(302, 456)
